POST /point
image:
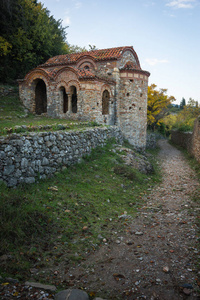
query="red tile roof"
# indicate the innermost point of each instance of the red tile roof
(97, 55)
(83, 73)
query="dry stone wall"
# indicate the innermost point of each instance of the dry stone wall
(189, 140)
(23, 158)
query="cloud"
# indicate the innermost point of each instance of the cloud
(66, 21)
(181, 3)
(77, 4)
(155, 61)
(149, 3)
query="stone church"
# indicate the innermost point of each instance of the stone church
(107, 86)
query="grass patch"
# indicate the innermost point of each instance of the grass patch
(10, 105)
(67, 217)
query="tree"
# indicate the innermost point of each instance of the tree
(92, 47)
(75, 48)
(183, 103)
(28, 37)
(157, 106)
(185, 119)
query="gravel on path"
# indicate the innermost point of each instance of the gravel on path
(156, 257)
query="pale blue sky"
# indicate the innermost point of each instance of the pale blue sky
(164, 33)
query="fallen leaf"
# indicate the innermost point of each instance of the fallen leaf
(53, 188)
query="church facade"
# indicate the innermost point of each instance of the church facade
(107, 86)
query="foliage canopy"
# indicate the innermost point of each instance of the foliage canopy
(28, 37)
(184, 120)
(157, 106)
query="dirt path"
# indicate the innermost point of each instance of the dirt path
(155, 258)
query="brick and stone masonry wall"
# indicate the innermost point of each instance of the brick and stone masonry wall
(25, 157)
(189, 140)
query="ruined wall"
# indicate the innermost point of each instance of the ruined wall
(25, 157)
(194, 146)
(189, 140)
(180, 138)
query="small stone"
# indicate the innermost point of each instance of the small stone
(187, 291)
(158, 280)
(138, 233)
(129, 243)
(166, 269)
(104, 240)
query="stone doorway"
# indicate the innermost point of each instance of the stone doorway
(40, 97)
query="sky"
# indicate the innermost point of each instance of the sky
(164, 33)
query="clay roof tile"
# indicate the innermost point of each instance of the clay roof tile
(97, 55)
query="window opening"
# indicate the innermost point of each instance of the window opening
(105, 102)
(65, 101)
(74, 99)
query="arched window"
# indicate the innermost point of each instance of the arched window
(105, 102)
(86, 67)
(74, 98)
(40, 97)
(64, 99)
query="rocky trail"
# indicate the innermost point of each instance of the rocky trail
(155, 258)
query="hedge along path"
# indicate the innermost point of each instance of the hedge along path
(156, 256)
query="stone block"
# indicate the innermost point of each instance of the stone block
(72, 294)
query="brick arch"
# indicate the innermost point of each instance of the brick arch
(83, 61)
(66, 69)
(37, 74)
(62, 84)
(73, 83)
(37, 83)
(106, 87)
